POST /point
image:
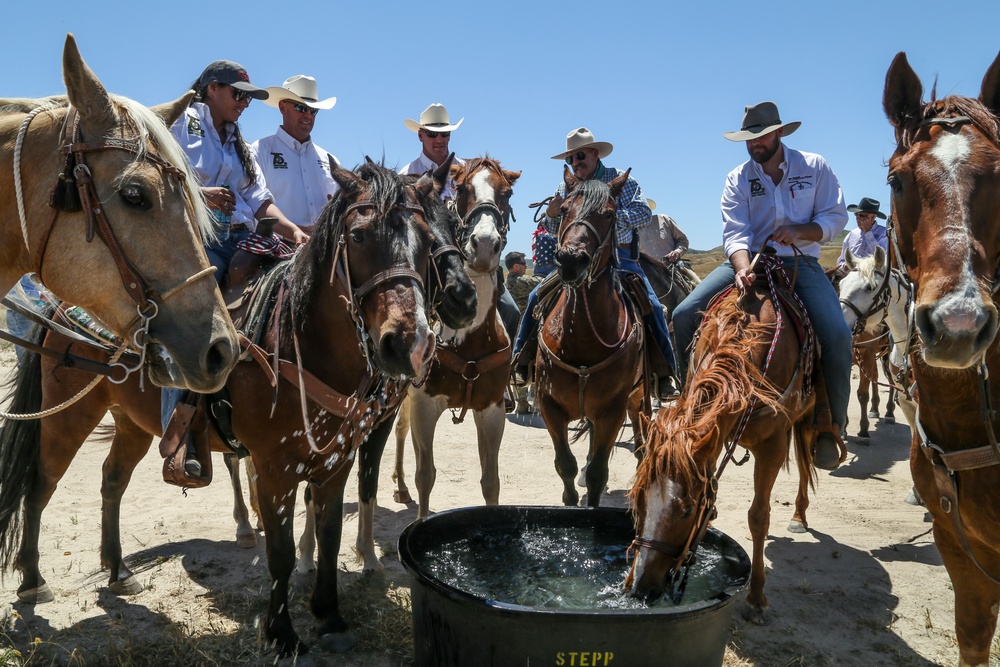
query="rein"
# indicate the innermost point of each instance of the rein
(76, 172)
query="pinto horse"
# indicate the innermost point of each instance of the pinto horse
(748, 385)
(350, 331)
(945, 182)
(471, 366)
(105, 164)
(589, 362)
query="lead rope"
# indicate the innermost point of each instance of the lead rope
(18, 144)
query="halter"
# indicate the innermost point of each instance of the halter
(77, 172)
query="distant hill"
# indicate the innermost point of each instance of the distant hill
(704, 261)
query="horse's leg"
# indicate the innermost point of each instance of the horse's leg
(976, 597)
(805, 439)
(424, 414)
(276, 490)
(252, 490)
(765, 471)
(128, 446)
(246, 536)
(306, 564)
(602, 440)
(890, 408)
(401, 493)
(489, 430)
(557, 424)
(635, 401)
(863, 391)
(871, 363)
(369, 458)
(334, 634)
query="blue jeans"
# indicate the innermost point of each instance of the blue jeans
(509, 314)
(655, 322)
(820, 299)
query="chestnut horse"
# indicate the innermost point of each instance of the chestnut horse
(350, 331)
(945, 182)
(748, 384)
(93, 164)
(589, 362)
(471, 366)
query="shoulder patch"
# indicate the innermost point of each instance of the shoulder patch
(194, 127)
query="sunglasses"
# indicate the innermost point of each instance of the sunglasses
(301, 108)
(576, 157)
(435, 135)
(240, 95)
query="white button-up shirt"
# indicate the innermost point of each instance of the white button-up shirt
(423, 164)
(297, 174)
(753, 206)
(217, 164)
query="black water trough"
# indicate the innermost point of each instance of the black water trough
(455, 628)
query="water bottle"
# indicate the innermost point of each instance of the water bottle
(221, 216)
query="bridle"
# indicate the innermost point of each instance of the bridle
(599, 261)
(880, 302)
(76, 173)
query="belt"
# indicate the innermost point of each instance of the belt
(238, 227)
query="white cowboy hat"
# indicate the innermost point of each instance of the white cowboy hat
(584, 138)
(434, 118)
(300, 88)
(651, 204)
(758, 120)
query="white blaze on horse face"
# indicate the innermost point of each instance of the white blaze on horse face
(484, 241)
(660, 511)
(951, 149)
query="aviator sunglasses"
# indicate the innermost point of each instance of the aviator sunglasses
(240, 95)
(301, 108)
(434, 135)
(579, 156)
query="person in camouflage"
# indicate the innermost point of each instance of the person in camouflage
(519, 284)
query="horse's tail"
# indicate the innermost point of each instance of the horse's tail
(19, 442)
(585, 427)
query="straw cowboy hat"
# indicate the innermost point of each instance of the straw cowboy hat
(299, 88)
(651, 204)
(758, 120)
(584, 138)
(434, 118)
(866, 205)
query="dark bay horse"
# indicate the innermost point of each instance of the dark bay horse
(945, 182)
(589, 362)
(749, 385)
(350, 330)
(124, 180)
(670, 282)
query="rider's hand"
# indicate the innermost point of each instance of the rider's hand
(220, 199)
(299, 237)
(672, 256)
(744, 279)
(786, 234)
(552, 210)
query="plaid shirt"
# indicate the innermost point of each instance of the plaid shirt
(633, 211)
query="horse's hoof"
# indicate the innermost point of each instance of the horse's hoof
(797, 527)
(913, 498)
(127, 586)
(889, 420)
(247, 540)
(755, 615)
(873, 414)
(338, 642)
(402, 497)
(863, 434)
(38, 595)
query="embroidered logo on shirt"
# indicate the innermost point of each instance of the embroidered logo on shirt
(278, 161)
(194, 128)
(756, 188)
(800, 182)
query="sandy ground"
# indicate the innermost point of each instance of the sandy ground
(865, 585)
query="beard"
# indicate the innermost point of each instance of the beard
(761, 154)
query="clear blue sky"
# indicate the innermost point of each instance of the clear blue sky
(659, 80)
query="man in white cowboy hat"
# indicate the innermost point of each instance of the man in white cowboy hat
(297, 171)
(584, 154)
(434, 132)
(795, 198)
(869, 234)
(664, 239)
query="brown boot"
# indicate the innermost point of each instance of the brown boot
(827, 452)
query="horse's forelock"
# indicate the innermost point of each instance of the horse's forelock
(949, 107)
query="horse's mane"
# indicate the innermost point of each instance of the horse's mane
(949, 107)
(594, 195)
(135, 122)
(312, 263)
(724, 384)
(866, 268)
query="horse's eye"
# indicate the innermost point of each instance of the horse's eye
(894, 183)
(133, 196)
(357, 236)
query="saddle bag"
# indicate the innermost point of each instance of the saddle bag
(174, 444)
(635, 288)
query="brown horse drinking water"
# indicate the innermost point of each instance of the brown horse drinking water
(945, 181)
(350, 330)
(748, 385)
(92, 189)
(589, 361)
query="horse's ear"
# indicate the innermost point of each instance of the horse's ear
(442, 173)
(901, 99)
(617, 184)
(990, 91)
(570, 180)
(169, 112)
(849, 259)
(879, 258)
(85, 91)
(347, 179)
(511, 176)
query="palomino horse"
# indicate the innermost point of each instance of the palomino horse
(349, 330)
(945, 181)
(471, 366)
(747, 385)
(589, 362)
(105, 164)
(872, 296)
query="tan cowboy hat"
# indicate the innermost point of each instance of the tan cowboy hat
(434, 118)
(299, 88)
(758, 120)
(651, 204)
(584, 138)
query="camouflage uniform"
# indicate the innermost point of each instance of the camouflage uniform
(520, 287)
